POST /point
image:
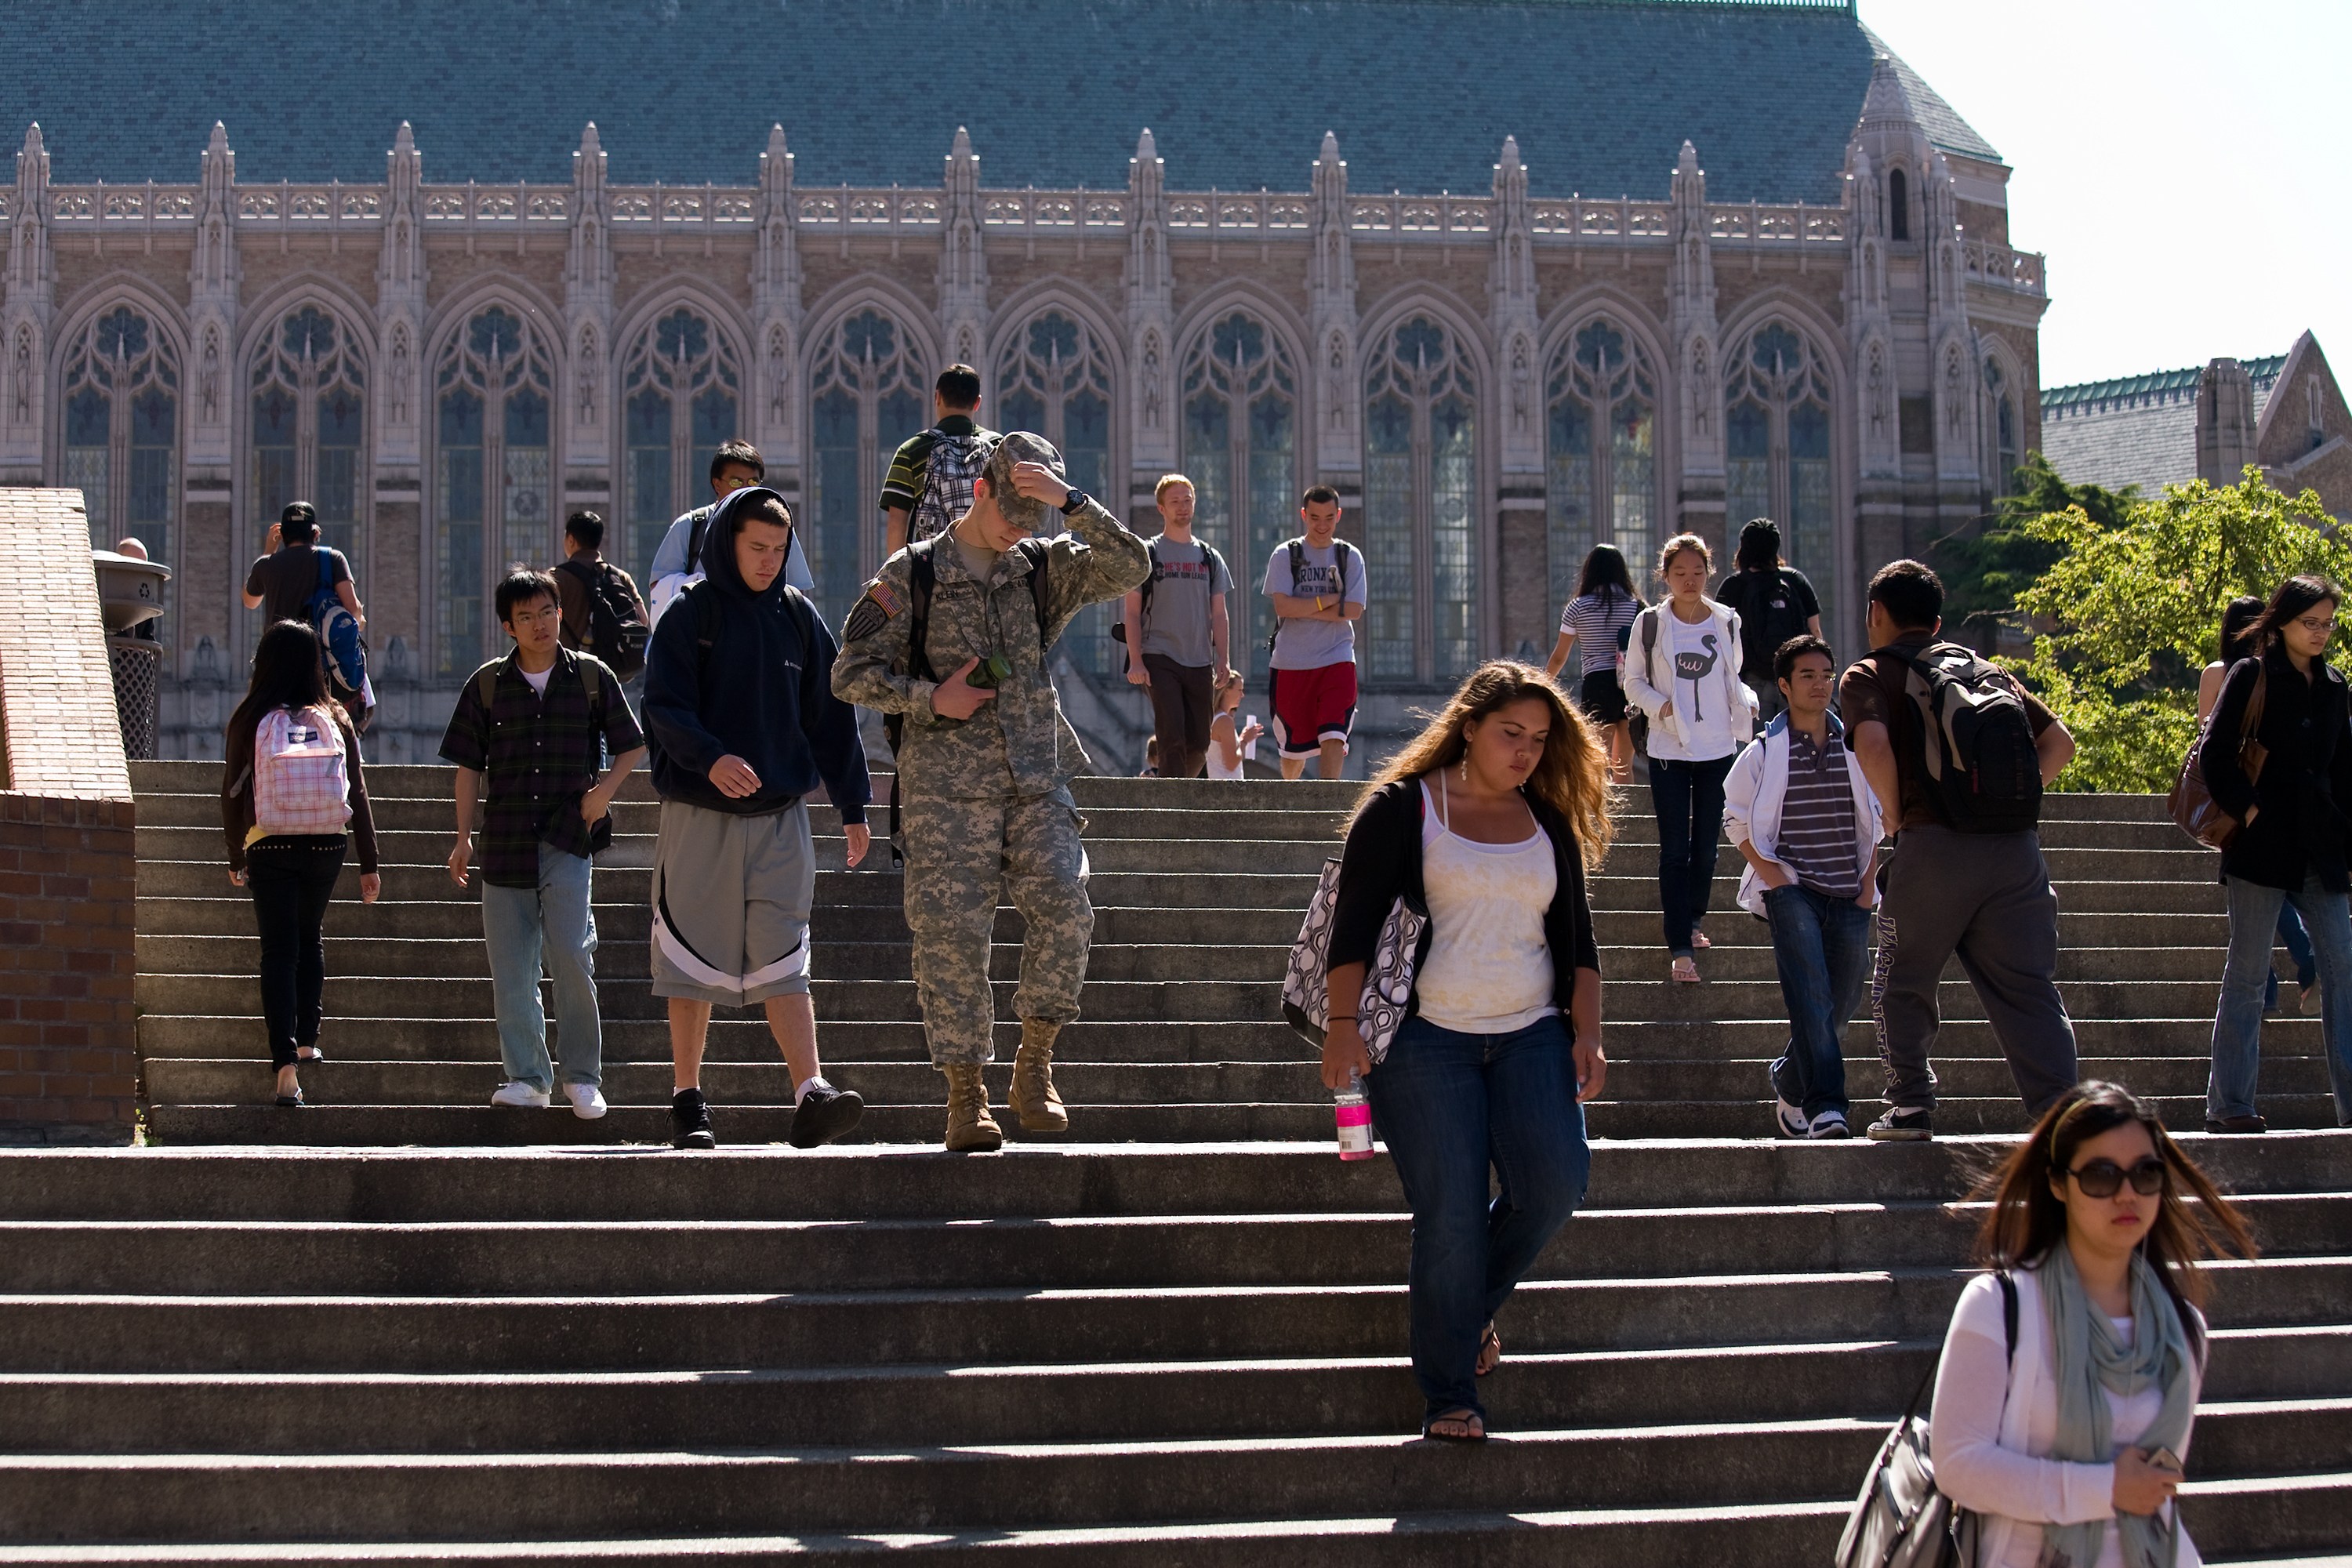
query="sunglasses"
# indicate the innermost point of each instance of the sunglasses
(2105, 1178)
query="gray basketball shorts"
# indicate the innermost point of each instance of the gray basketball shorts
(732, 898)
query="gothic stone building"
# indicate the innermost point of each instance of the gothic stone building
(1708, 261)
(2284, 414)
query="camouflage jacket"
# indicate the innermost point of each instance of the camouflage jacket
(1017, 744)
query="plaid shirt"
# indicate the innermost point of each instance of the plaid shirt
(542, 755)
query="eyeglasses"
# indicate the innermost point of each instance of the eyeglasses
(2316, 629)
(2103, 1178)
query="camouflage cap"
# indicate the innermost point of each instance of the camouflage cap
(1021, 447)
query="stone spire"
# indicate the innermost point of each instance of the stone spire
(963, 258)
(214, 281)
(588, 306)
(1869, 325)
(27, 301)
(1150, 311)
(400, 280)
(2225, 422)
(1691, 322)
(776, 303)
(1331, 313)
(1511, 312)
(1960, 382)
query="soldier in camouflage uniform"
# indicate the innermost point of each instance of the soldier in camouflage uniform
(984, 772)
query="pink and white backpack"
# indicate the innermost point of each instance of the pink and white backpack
(300, 784)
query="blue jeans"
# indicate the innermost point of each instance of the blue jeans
(2298, 947)
(1822, 945)
(1688, 798)
(520, 924)
(2238, 1023)
(1450, 1105)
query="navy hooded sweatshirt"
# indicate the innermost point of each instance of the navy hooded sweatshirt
(758, 692)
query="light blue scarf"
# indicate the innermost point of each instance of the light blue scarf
(2087, 1360)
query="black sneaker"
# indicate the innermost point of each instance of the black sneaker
(689, 1120)
(1904, 1124)
(825, 1114)
(1789, 1119)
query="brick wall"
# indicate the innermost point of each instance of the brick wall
(69, 869)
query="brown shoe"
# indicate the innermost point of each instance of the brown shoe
(970, 1126)
(2236, 1124)
(1032, 1098)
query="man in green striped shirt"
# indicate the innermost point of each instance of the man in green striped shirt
(913, 507)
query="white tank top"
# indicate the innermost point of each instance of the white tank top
(1489, 969)
(1216, 758)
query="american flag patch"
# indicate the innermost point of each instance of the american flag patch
(888, 602)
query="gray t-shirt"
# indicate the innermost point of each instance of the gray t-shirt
(1176, 621)
(1311, 645)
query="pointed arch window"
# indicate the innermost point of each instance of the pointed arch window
(1421, 506)
(1053, 377)
(309, 428)
(1241, 452)
(493, 459)
(1898, 205)
(868, 393)
(1601, 435)
(2003, 424)
(1777, 441)
(681, 391)
(122, 430)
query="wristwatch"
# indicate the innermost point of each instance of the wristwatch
(1071, 503)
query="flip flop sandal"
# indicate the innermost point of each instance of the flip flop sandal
(1459, 1418)
(293, 1101)
(1698, 941)
(316, 1056)
(1490, 1341)
(1679, 978)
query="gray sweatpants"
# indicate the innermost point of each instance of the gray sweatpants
(1987, 896)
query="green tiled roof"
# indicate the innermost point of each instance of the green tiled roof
(2157, 383)
(1237, 92)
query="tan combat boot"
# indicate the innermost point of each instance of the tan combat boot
(1032, 1098)
(970, 1126)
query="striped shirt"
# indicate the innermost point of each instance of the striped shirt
(1817, 826)
(1595, 619)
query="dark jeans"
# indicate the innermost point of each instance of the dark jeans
(1767, 699)
(2238, 1019)
(1822, 945)
(292, 879)
(1688, 798)
(1451, 1105)
(2298, 947)
(1180, 714)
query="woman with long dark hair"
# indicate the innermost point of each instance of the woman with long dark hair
(292, 874)
(1490, 819)
(1682, 671)
(2237, 642)
(2290, 846)
(1598, 616)
(2069, 1445)
(1775, 603)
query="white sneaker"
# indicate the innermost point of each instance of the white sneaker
(587, 1103)
(1829, 1124)
(521, 1094)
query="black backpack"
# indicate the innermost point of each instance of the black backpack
(1968, 738)
(1298, 548)
(922, 576)
(1210, 559)
(1767, 602)
(615, 633)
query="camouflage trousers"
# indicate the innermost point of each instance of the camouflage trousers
(963, 856)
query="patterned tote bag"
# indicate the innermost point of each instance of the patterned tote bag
(1388, 978)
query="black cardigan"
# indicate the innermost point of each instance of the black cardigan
(2300, 831)
(1382, 860)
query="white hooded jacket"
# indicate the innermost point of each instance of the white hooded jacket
(1756, 788)
(1645, 663)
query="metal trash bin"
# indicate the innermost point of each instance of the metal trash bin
(138, 692)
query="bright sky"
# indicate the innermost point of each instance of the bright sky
(2182, 164)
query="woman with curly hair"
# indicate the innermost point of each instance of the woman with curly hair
(1491, 818)
(2069, 1447)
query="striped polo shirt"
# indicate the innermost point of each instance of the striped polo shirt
(1817, 826)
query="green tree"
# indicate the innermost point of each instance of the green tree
(2136, 613)
(1984, 573)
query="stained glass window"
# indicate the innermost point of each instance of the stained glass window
(1776, 440)
(1053, 377)
(309, 438)
(868, 391)
(680, 390)
(1601, 430)
(1420, 505)
(494, 469)
(1241, 452)
(122, 429)
(2003, 424)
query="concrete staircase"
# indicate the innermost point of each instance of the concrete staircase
(1177, 1339)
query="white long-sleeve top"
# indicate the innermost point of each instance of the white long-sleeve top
(1992, 1430)
(1650, 680)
